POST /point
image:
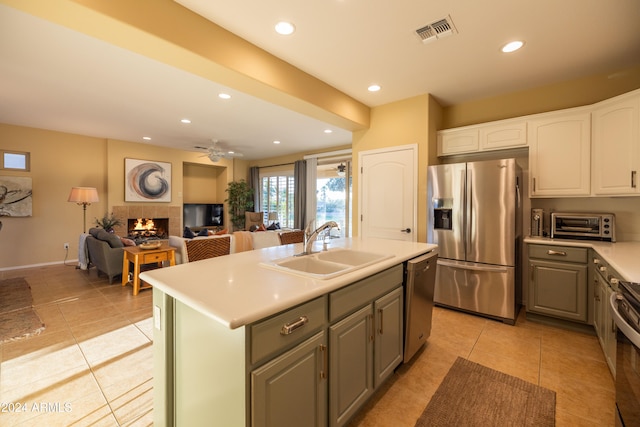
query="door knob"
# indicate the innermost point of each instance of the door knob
(406, 230)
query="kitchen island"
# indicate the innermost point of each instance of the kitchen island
(233, 337)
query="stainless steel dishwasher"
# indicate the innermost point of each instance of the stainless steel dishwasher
(419, 284)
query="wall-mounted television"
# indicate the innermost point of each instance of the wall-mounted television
(203, 214)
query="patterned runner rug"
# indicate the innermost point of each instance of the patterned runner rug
(18, 319)
(474, 395)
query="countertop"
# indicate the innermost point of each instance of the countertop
(624, 257)
(236, 290)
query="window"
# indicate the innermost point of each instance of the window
(14, 160)
(277, 196)
(334, 191)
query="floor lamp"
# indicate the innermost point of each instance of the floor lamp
(83, 196)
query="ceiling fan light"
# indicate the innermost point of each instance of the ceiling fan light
(341, 170)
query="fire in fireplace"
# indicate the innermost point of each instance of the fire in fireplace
(147, 228)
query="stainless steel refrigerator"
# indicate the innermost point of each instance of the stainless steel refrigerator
(475, 219)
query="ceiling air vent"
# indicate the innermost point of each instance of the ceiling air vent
(436, 30)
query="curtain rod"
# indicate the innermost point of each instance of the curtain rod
(273, 166)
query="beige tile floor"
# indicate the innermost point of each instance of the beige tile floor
(94, 360)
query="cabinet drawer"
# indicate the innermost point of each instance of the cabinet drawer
(558, 253)
(155, 257)
(352, 297)
(287, 328)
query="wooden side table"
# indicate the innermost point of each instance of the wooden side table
(139, 257)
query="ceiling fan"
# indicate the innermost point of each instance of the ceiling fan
(216, 152)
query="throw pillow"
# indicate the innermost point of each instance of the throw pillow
(221, 232)
(188, 234)
(261, 227)
(127, 242)
(203, 232)
(94, 231)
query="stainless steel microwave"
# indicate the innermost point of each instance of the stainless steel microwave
(587, 226)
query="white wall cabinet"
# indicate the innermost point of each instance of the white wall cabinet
(616, 146)
(560, 154)
(458, 141)
(497, 135)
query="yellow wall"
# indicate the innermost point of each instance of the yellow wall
(574, 93)
(201, 183)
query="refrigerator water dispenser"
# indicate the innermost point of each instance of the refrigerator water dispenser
(442, 214)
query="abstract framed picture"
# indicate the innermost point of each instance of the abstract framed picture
(147, 181)
(15, 196)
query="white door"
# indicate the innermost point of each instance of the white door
(388, 193)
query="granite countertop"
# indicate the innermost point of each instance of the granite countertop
(624, 257)
(236, 290)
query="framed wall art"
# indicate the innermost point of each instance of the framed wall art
(147, 181)
(15, 196)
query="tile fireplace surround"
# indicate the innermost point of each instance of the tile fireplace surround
(124, 213)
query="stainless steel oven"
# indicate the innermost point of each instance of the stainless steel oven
(625, 309)
(589, 226)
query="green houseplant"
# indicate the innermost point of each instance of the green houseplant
(240, 199)
(108, 221)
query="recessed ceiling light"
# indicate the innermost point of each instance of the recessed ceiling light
(186, 121)
(146, 138)
(512, 46)
(276, 142)
(373, 88)
(224, 96)
(328, 131)
(285, 28)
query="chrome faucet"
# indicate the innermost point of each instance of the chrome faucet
(311, 236)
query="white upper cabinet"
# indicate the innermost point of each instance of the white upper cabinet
(616, 145)
(458, 141)
(559, 153)
(497, 135)
(504, 134)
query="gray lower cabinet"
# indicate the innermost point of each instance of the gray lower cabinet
(291, 390)
(604, 281)
(314, 364)
(558, 283)
(366, 345)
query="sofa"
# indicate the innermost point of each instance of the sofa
(105, 251)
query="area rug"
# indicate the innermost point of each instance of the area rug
(474, 395)
(18, 319)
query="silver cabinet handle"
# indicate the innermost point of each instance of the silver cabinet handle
(289, 328)
(559, 253)
(633, 179)
(381, 313)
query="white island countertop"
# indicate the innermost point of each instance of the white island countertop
(237, 290)
(624, 257)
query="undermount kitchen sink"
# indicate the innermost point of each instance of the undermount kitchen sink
(327, 264)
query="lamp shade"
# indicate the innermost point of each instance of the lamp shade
(83, 195)
(273, 216)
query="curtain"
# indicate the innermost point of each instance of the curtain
(312, 202)
(300, 197)
(254, 182)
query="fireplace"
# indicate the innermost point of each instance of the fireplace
(142, 229)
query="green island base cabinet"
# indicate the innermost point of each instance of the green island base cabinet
(315, 364)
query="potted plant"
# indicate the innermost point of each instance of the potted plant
(108, 221)
(240, 200)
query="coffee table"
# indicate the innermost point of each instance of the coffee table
(138, 256)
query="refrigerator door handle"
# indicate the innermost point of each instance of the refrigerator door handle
(490, 268)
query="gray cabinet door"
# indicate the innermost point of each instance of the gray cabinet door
(291, 390)
(558, 289)
(388, 341)
(351, 362)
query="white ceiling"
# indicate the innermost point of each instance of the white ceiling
(55, 78)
